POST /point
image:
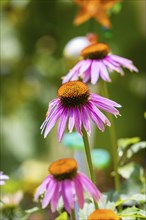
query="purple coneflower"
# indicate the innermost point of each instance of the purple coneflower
(3, 177)
(64, 181)
(98, 62)
(76, 104)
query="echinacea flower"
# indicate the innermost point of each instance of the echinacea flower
(98, 62)
(3, 177)
(64, 181)
(97, 9)
(76, 104)
(103, 214)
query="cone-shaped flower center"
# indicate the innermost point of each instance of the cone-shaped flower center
(63, 169)
(95, 51)
(103, 214)
(73, 93)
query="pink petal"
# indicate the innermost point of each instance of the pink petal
(85, 65)
(72, 72)
(103, 72)
(99, 113)
(85, 120)
(100, 99)
(94, 72)
(79, 191)
(95, 118)
(67, 195)
(50, 115)
(71, 122)
(89, 186)
(62, 124)
(52, 121)
(49, 193)
(112, 66)
(124, 62)
(77, 117)
(42, 188)
(87, 75)
(55, 198)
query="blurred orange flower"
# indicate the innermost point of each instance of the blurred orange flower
(97, 9)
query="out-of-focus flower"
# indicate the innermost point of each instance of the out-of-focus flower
(103, 214)
(3, 177)
(76, 103)
(12, 200)
(97, 9)
(73, 48)
(66, 182)
(98, 62)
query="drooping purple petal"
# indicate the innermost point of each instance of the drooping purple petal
(49, 193)
(62, 124)
(105, 104)
(85, 120)
(101, 99)
(50, 113)
(79, 191)
(67, 195)
(85, 65)
(124, 62)
(77, 117)
(53, 103)
(95, 118)
(55, 197)
(42, 188)
(73, 72)
(99, 113)
(94, 72)
(89, 186)
(53, 120)
(71, 122)
(87, 75)
(103, 72)
(112, 67)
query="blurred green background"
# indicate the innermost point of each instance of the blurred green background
(33, 36)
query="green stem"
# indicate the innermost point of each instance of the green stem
(89, 160)
(88, 154)
(113, 142)
(73, 216)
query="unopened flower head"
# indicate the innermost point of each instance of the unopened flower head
(3, 178)
(64, 181)
(74, 105)
(97, 62)
(103, 214)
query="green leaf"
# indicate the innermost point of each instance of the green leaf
(135, 148)
(63, 216)
(131, 170)
(125, 142)
(133, 212)
(137, 197)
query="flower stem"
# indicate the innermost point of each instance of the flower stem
(89, 160)
(88, 154)
(73, 216)
(113, 141)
